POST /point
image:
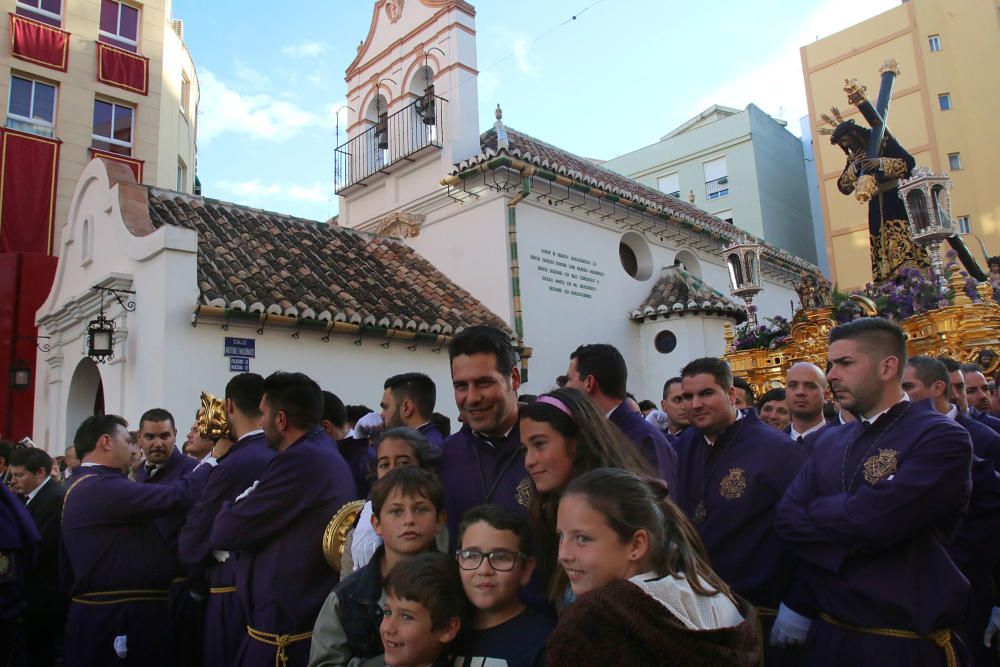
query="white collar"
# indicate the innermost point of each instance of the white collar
(795, 434)
(37, 489)
(952, 411)
(247, 435)
(871, 420)
(711, 441)
(91, 464)
(617, 405)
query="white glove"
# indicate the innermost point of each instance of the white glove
(992, 628)
(790, 628)
(247, 492)
(368, 426)
(659, 419)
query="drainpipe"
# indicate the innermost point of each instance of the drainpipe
(515, 268)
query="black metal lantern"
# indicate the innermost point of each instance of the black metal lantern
(100, 338)
(20, 376)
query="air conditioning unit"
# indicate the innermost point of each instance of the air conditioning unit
(723, 180)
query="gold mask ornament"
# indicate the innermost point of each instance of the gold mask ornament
(212, 421)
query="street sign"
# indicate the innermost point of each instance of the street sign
(240, 347)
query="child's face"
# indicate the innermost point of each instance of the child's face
(590, 552)
(392, 453)
(547, 455)
(489, 589)
(407, 635)
(408, 524)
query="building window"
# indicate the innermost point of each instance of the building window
(964, 226)
(185, 93)
(934, 41)
(46, 11)
(112, 127)
(665, 342)
(716, 178)
(31, 107)
(944, 101)
(726, 215)
(182, 176)
(955, 161)
(119, 25)
(669, 184)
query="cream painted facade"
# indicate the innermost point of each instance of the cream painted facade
(164, 131)
(943, 48)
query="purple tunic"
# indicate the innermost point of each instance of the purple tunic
(738, 482)
(110, 542)
(869, 515)
(433, 435)
(985, 441)
(650, 441)
(985, 418)
(475, 471)
(282, 577)
(225, 622)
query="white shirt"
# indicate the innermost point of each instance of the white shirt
(796, 435)
(871, 420)
(37, 489)
(953, 412)
(247, 435)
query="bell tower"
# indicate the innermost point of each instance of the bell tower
(413, 107)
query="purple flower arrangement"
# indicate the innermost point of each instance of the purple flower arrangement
(768, 336)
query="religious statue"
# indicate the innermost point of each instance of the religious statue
(875, 163)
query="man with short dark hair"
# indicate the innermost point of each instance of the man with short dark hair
(805, 386)
(976, 546)
(772, 408)
(977, 395)
(239, 467)
(334, 420)
(408, 400)
(599, 371)
(959, 396)
(483, 462)
(113, 560)
(743, 394)
(18, 547)
(870, 513)
(45, 614)
(673, 404)
(282, 581)
(733, 471)
(71, 461)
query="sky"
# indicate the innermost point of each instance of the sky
(617, 77)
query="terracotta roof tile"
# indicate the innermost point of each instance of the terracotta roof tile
(559, 161)
(291, 265)
(677, 291)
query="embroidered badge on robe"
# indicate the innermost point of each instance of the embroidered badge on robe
(523, 492)
(6, 571)
(880, 466)
(733, 485)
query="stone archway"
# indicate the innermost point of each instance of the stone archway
(85, 397)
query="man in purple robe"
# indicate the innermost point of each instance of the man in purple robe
(278, 523)
(988, 448)
(483, 462)
(19, 540)
(114, 564)
(805, 388)
(733, 470)
(673, 404)
(977, 395)
(976, 548)
(240, 465)
(872, 510)
(599, 371)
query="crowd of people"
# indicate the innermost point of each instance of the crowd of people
(851, 516)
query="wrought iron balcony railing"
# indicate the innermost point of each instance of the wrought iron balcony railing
(717, 188)
(399, 138)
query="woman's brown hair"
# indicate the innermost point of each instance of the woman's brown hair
(593, 442)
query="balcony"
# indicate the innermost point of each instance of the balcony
(386, 146)
(717, 188)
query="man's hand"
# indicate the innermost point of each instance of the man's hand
(247, 492)
(790, 628)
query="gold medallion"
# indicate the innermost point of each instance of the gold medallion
(699, 513)
(523, 492)
(880, 466)
(733, 485)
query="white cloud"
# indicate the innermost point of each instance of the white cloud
(777, 85)
(254, 191)
(305, 49)
(261, 116)
(519, 43)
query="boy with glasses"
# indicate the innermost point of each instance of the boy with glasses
(495, 561)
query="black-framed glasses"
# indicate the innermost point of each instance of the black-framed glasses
(500, 560)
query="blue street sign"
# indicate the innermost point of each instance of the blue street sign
(239, 365)
(240, 347)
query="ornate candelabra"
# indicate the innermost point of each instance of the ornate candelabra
(927, 198)
(743, 260)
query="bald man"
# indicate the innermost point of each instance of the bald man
(805, 388)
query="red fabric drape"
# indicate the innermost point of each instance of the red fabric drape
(29, 166)
(133, 164)
(123, 69)
(39, 43)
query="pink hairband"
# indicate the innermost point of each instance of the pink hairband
(556, 403)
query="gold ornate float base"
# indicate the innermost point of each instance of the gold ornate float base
(963, 331)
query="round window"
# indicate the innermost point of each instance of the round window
(635, 256)
(665, 342)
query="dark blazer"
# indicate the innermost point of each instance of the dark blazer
(43, 581)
